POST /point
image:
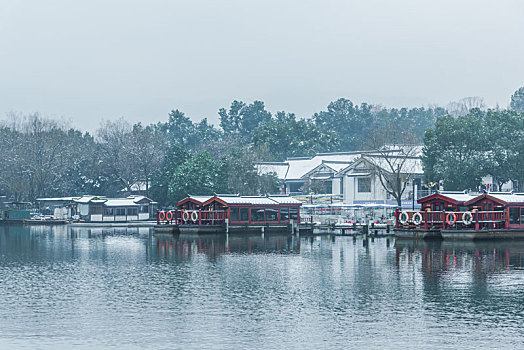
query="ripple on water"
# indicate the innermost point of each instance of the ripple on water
(113, 289)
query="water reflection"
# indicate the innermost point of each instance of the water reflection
(481, 257)
(130, 288)
(183, 246)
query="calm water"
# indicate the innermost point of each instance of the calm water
(126, 288)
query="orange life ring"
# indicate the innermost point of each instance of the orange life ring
(161, 216)
(185, 216)
(169, 216)
(451, 222)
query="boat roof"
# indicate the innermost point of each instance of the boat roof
(500, 197)
(451, 196)
(252, 200)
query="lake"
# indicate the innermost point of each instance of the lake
(97, 288)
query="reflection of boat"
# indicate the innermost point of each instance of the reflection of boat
(43, 222)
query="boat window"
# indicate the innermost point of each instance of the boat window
(463, 208)
(144, 209)
(514, 216)
(120, 211)
(257, 215)
(271, 215)
(284, 214)
(234, 214)
(95, 210)
(522, 215)
(293, 213)
(132, 211)
(244, 214)
(108, 212)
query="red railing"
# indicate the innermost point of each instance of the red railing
(431, 220)
(191, 217)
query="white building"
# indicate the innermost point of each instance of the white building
(353, 175)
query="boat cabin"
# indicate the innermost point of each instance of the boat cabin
(234, 210)
(445, 200)
(193, 202)
(506, 205)
(462, 211)
(101, 209)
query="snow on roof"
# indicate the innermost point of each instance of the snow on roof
(410, 165)
(457, 196)
(87, 199)
(260, 200)
(278, 168)
(508, 197)
(120, 202)
(299, 167)
(57, 199)
(285, 200)
(201, 199)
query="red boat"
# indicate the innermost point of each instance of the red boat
(459, 215)
(227, 213)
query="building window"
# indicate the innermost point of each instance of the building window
(132, 211)
(244, 214)
(364, 184)
(108, 212)
(144, 209)
(120, 212)
(271, 215)
(342, 185)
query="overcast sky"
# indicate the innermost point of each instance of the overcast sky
(93, 60)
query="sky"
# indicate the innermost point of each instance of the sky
(88, 61)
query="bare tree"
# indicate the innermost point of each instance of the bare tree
(463, 106)
(394, 163)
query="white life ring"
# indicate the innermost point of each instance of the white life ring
(467, 218)
(403, 217)
(417, 219)
(194, 216)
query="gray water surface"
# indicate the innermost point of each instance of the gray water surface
(99, 288)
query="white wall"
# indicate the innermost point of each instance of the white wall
(96, 218)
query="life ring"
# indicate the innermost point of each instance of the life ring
(467, 218)
(194, 216)
(403, 217)
(161, 216)
(417, 218)
(169, 216)
(451, 222)
(185, 216)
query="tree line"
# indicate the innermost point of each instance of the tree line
(42, 157)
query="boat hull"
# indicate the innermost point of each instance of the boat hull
(483, 234)
(417, 234)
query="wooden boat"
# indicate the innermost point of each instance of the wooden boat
(461, 216)
(231, 213)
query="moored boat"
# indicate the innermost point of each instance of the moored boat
(462, 216)
(232, 213)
